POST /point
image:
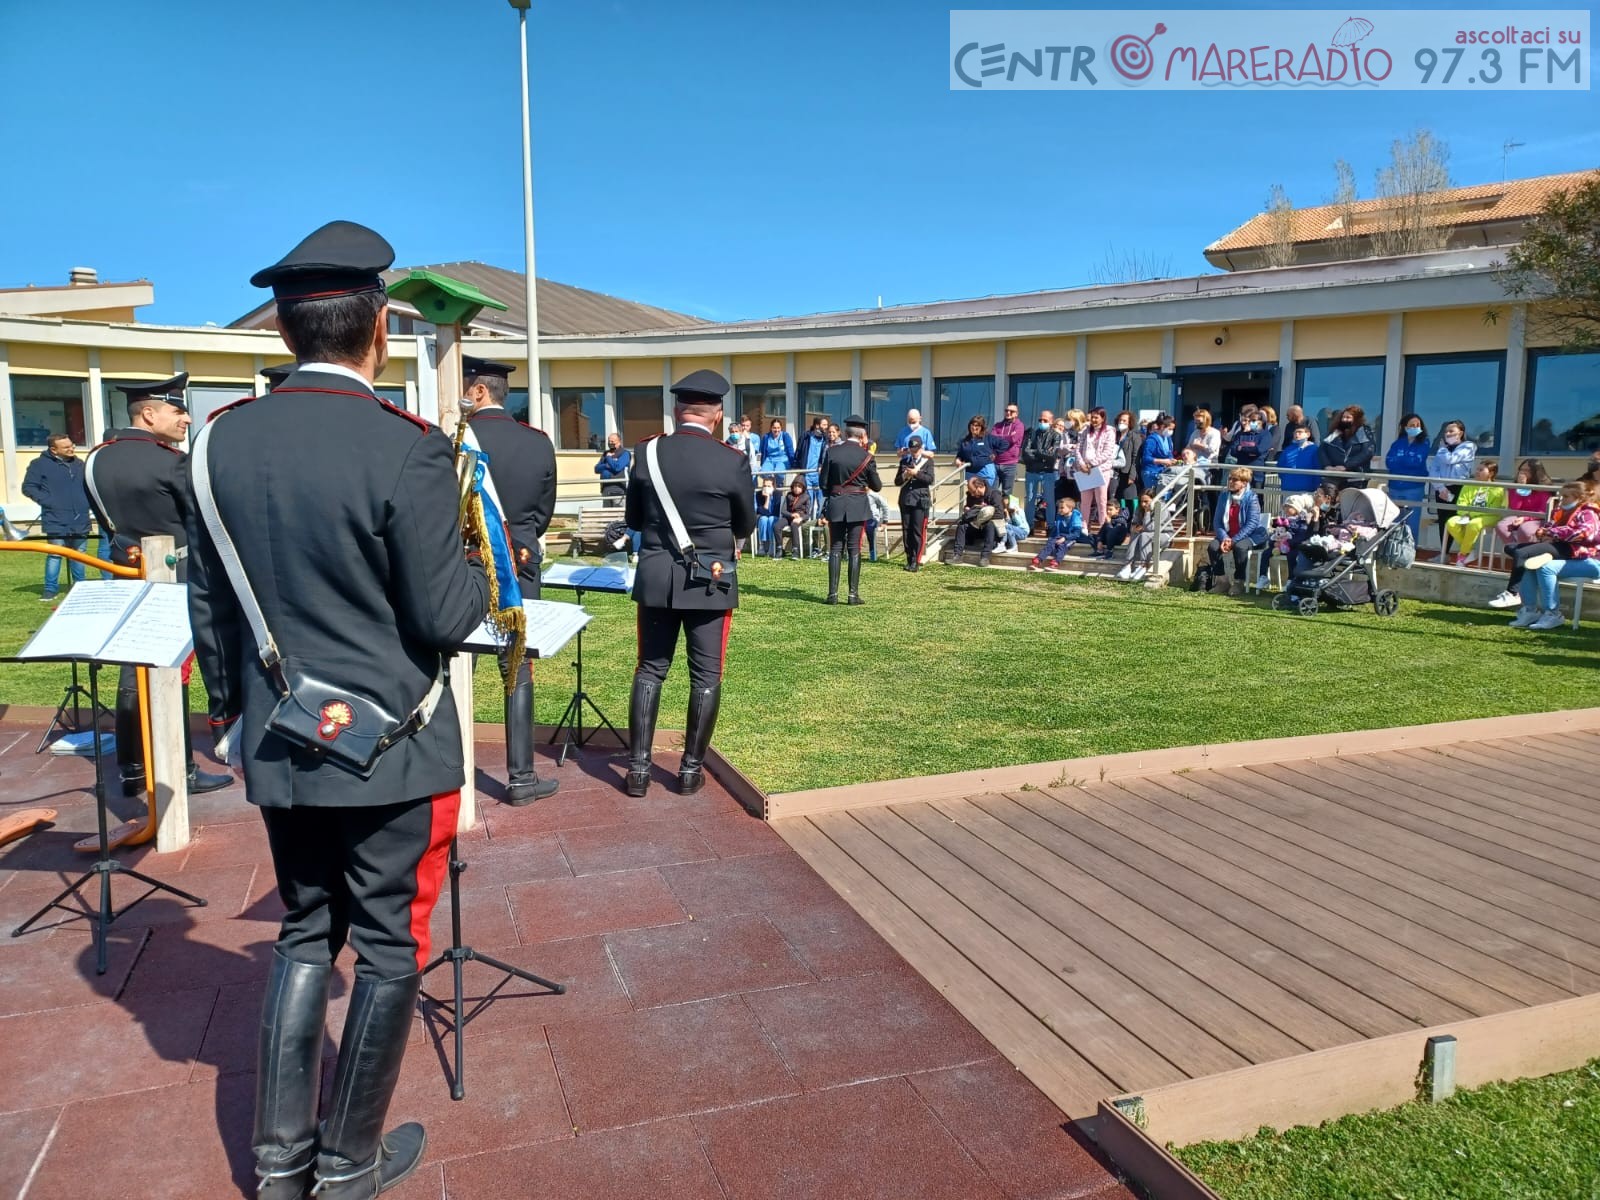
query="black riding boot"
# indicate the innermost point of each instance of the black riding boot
(288, 1077)
(642, 708)
(523, 784)
(703, 704)
(199, 781)
(855, 577)
(130, 740)
(356, 1160)
(833, 579)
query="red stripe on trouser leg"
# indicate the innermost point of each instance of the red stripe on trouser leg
(727, 624)
(431, 869)
(186, 670)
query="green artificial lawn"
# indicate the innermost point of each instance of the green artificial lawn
(1532, 1138)
(953, 669)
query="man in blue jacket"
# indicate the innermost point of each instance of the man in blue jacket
(613, 471)
(1240, 530)
(55, 483)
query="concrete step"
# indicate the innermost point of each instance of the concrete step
(1079, 565)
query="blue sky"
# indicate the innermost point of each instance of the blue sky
(731, 158)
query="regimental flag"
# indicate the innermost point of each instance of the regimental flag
(484, 525)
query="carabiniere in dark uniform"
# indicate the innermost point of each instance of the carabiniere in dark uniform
(137, 485)
(694, 593)
(848, 474)
(522, 464)
(344, 513)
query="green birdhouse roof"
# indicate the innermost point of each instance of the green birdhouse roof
(440, 299)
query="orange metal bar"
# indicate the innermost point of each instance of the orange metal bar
(77, 556)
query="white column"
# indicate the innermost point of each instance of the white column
(1515, 400)
(94, 413)
(929, 404)
(858, 397)
(1394, 380)
(428, 378)
(1286, 380)
(411, 384)
(1001, 377)
(613, 418)
(547, 401)
(791, 399)
(1080, 376)
(179, 363)
(261, 380)
(1169, 351)
(733, 410)
(666, 395)
(8, 427)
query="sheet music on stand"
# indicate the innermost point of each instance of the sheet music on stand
(128, 621)
(551, 625)
(588, 578)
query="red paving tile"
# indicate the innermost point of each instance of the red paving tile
(659, 1161)
(513, 1096)
(1014, 1133)
(875, 1141)
(562, 908)
(22, 1137)
(634, 845)
(96, 1049)
(696, 960)
(642, 1066)
(865, 1027)
(722, 1043)
(765, 883)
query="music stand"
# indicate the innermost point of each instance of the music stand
(569, 729)
(104, 866)
(123, 622)
(550, 626)
(75, 695)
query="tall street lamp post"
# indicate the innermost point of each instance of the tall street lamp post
(536, 411)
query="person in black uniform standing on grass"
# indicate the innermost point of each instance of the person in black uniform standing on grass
(915, 478)
(357, 565)
(522, 464)
(848, 474)
(136, 482)
(692, 589)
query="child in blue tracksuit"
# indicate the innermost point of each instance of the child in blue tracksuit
(1066, 529)
(768, 510)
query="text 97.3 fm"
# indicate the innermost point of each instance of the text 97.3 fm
(1490, 66)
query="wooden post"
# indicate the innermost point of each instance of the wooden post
(169, 757)
(449, 343)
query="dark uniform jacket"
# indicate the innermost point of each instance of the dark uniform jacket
(522, 463)
(710, 483)
(143, 482)
(848, 474)
(343, 512)
(915, 483)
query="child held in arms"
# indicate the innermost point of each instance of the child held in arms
(1066, 529)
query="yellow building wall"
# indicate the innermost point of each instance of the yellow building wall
(965, 358)
(1342, 337)
(135, 364)
(758, 368)
(394, 374)
(577, 372)
(519, 375)
(636, 372)
(1125, 351)
(1538, 333)
(1034, 356)
(1252, 343)
(49, 360)
(832, 366)
(219, 368)
(892, 362)
(123, 316)
(1452, 330)
(684, 366)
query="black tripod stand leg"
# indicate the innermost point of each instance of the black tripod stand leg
(70, 890)
(555, 989)
(157, 886)
(601, 722)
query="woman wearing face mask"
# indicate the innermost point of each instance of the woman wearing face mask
(1251, 443)
(1349, 448)
(1449, 464)
(1409, 456)
(1126, 463)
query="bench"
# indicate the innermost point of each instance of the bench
(589, 536)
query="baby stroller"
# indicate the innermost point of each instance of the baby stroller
(1348, 577)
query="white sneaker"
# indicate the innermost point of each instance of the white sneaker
(1139, 573)
(1506, 599)
(1263, 582)
(1525, 618)
(1550, 620)
(1126, 573)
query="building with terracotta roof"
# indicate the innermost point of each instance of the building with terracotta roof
(1485, 214)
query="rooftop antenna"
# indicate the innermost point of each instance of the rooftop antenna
(1505, 152)
(880, 300)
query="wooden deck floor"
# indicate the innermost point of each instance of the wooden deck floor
(1115, 937)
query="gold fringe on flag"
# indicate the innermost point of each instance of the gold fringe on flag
(509, 622)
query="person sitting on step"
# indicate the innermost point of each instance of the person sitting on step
(980, 503)
(1066, 529)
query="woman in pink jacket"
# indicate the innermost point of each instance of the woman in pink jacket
(1097, 449)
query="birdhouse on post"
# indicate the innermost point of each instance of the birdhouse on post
(451, 305)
